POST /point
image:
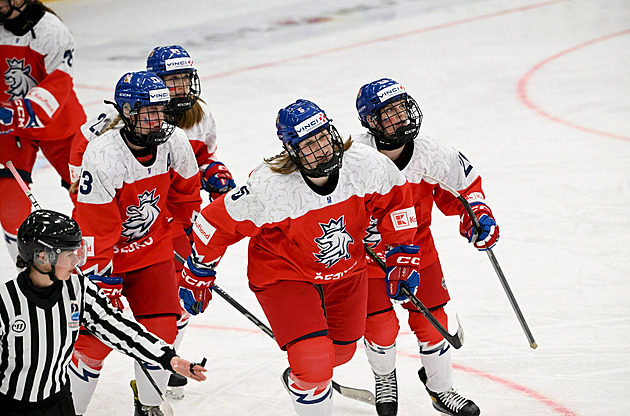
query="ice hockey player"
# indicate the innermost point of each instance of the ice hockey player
(306, 214)
(39, 109)
(40, 315)
(393, 120)
(132, 178)
(174, 66)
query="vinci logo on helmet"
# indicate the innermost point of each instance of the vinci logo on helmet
(158, 96)
(178, 63)
(404, 219)
(310, 124)
(390, 92)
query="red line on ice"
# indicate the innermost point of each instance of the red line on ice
(354, 45)
(522, 86)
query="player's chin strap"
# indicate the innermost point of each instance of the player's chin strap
(51, 274)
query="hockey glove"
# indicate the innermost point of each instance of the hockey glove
(489, 234)
(112, 288)
(17, 114)
(195, 287)
(216, 179)
(403, 265)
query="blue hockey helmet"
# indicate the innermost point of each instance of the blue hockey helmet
(375, 96)
(142, 92)
(175, 66)
(300, 121)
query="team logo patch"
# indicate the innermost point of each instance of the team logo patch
(75, 316)
(404, 219)
(140, 218)
(333, 244)
(18, 78)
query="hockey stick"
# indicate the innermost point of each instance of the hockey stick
(493, 259)
(361, 395)
(166, 407)
(455, 340)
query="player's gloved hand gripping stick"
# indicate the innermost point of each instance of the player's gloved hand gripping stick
(455, 340)
(479, 231)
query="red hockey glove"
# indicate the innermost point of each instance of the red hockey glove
(17, 114)
(403, 265)
(216, 179)
(111, 286)
(195, 287)
(489, 234)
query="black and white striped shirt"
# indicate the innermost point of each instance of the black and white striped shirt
(37, 334)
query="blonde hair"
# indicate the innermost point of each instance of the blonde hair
(282, 163)
(190, 118)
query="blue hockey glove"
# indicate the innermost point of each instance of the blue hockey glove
(195, 287)
(489, 229)
(217, 180)
(111, 286)
(403, 265)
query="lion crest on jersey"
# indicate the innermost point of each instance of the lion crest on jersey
(141, 217)
(333, 244)
(18, 78)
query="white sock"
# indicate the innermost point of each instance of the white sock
(437, 362)
(83, 382)
(381, 359)
(315, 401)
(146, 392)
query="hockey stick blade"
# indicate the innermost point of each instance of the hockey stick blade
(364, 396)
(455, 340)
(349, 392)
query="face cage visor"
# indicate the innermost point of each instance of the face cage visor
(151, 125)
(64, 257)
(185, 89)
(320, 154)
(397, 123)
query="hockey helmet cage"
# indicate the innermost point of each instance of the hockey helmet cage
(136, 91)
(304, 119)
(375, 96)
(175, 66)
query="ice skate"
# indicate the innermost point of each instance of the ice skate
(175, 388)
(140, 409)
(450, 402)
(386, 394)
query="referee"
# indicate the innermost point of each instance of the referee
(41, 311)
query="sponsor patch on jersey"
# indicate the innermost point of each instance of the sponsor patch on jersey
(203, 229)
(75, 316)
(178, 63)
(89, 245)
(18, 325)
(44, 99)
(404, 219)
(391, 91)
(310, 124)
(159, 95)
(474, 197)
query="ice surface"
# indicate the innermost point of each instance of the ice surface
(535, 93)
